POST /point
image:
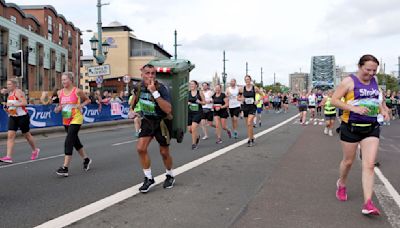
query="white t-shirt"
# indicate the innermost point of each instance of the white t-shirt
(233, 95)
(208, 97)
(312, 100)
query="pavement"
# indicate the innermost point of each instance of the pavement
(286, 180)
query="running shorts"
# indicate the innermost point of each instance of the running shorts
(310, 107)
(330, 117)
(353, 135)
(249, 110)
(234, 112)
(223, 113)
(259, 110)
(208, 114)
(302, 109)
(19, 122)
(194, 117)
(151, 128)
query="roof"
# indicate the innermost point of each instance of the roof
(157, 47)
(116, 26)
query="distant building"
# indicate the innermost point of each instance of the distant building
(126, 56)
(216, 80)
(323, 72)
(86, 61)
(51, 42)
(298, 82)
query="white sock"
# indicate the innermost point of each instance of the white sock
(169, 172)
(147, 173)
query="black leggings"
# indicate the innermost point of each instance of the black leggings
(72, 139)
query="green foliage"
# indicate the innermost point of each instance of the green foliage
(388, 80)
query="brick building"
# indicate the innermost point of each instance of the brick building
(52, 44)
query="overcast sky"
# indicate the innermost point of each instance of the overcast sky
(280, 36)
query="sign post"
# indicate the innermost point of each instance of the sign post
(101, 70)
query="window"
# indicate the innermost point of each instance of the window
(50, 36)
(30, 28)
(69, 34)
(13, 19)
(50, 24)
(60, 31)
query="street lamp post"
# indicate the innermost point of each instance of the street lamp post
(97, 44)
(224, 73)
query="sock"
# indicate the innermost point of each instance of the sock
(169, 172)
(147, 173)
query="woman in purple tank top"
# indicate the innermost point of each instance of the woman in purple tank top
(360, 127)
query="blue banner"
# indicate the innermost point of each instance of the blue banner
(42, 116)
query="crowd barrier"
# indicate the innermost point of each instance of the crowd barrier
(42, 116)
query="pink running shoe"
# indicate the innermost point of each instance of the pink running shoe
(35, 154)
(370, 209)
(341, 193)
(6, 159)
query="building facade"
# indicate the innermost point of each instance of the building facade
(323, 72)
(126, 56)
(50, 43)
(86, 61)
(298, 82)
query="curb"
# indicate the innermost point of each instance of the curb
(38, 131)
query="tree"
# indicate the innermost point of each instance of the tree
(388, 80)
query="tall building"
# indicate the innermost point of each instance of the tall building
(216, 80)
(50, 43)
(86, 61)
(298, 82)
(323, 72)
(126, 56)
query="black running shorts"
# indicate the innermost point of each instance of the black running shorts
(347, 135)
(208, 114)
(19, 122)
(194, 117)
(249, 110)
(151, 128)
(234, 112)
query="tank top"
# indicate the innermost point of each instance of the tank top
(193, 105)
(311, 100)
(259, 102)
(208, 97)
(233, 101)
(303, 101)
(219, 101)
(249, 96)
(69, 103)
(328, 108)
(13, 110)
(364, 96)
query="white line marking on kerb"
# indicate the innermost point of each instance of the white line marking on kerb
(109, 201)
(122, 143)
(389, 186)
(27, 162)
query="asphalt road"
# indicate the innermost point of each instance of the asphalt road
(286, 180)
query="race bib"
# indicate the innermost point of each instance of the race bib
(194, 107)
(249, 100)
(147, 107)
(67, 111)
(371, 104)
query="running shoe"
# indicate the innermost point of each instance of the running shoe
(259, 124)
(147, 185)
(370, 209)
(219, 141)
(341, 193)
(326, 131)
(169, 182)
(338, 130)
(248, 143)
(330, 133)
(35, 154)
(229, 133)
(194, 147)
(86, 164)
(204, 137)
(251, 143)
(137, 134)
(235, 134)
(62, 171)
(6, 159)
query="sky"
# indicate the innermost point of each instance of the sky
(279, 36)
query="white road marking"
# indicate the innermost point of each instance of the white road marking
(126, 142)
(104, 203)
(385, 196)
(31, 161)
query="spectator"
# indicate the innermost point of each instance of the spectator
(54, 97)
(44, 99)
(115, 98)
(106, 98)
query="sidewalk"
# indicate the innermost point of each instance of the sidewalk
(301, 192)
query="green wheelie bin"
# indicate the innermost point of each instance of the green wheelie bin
(174, 74)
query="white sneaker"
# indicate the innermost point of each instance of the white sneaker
(204, 137)
(330, 133)
(326, 131)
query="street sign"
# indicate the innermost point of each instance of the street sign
(99, 70)
(99, 79)
(126, 79)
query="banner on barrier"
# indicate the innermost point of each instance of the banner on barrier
(42, 116)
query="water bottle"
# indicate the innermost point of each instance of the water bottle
(380, 119)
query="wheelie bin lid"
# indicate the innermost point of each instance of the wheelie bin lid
(172, 65)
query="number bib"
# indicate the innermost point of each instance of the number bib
(194, 107)
(249, 100)
(67, 111)
(147, 107)
(371, 104)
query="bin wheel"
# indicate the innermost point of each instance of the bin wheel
(179, 135)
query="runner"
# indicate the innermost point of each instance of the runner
(388, 101)
(285, 101)
(330, 113)
(302, 103)
(359, 127)
(247, 95)
(137, 114)
(394, 100)
(279, 102)
(72, 100)
(319, 97)
(195, 113)
(234, 105)
(155, 103)
(18, 119)
(221, 104)
(312, 102)
(259, 105)
(266, 101)
(208, 113)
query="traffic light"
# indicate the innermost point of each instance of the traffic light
(17, 63)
